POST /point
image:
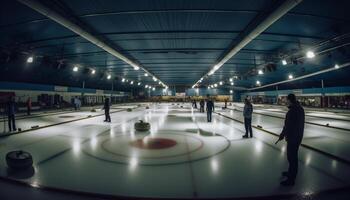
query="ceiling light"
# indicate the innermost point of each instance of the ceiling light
(136, 68)
(232, 83)
(260, 72)
(215, 85)
(123, 80)
(284, 62)
(290, 76)
(146, 86)
(153, 89)
(146, 74)
(258, 82)
(154, 79)
(30, 59)
(231, 91)
(109, 76)
(93, 71)
(208, 87)
(138, 83)
(310, 54)
(231, 79)
(220, 83)
(75, 68)
(336, 66)
(132, 83)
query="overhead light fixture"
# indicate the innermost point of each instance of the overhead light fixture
(284, 62)
(220, 83)
(232, 83)
(260, 72)
(123, 80)
(231, 91)
(30, 59)
(310, 54)
(215, 85)
(231, 79)
(336, 66)
(160, 83)
(208, 87)
(154, 79)
(109, 76)
(258, 82)
(93, 71)
(136, 68)
(138, 83)
(132, 83)
(153, 89)
(146, 86)
(290, 76)
(75, 68)
(146, 74)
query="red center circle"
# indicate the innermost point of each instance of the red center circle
(153, 143)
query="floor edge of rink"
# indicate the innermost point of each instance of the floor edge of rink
(111, 196)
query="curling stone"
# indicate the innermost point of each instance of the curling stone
(93, 110)
(19, 160)
(147, 107)
(142, 126)
(129, 109)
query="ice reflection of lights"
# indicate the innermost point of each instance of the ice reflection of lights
(214, 166)
(76, 146)
(258, 146)
(308, 159)
(133, 163)
(123, 127)
(35, 184)
(334, 164)
(93, 142)
(283, 149)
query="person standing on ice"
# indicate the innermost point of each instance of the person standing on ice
(201, 104)
(247, 114)
(106, 107)
(293, 132)
(29, 105)
(11, 111)
(210, 108)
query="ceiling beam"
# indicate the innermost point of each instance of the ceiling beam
(256, 31)
(55, 16)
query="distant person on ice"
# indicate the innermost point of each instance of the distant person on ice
(247, 114)
(11, 111)
(201, 104)
(194, 104)
(293, 132)
(106, 107)
(210, 108)
(29, 105)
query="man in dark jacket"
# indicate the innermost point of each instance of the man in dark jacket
(106, 107)
(201, 103)
(210, 108)
(293, 132)
(247, 114)
(11, 111)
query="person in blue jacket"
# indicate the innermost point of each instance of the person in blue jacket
(210, 108)
(247, 114)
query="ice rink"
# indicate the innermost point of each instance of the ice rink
(182, 156)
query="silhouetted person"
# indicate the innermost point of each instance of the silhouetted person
(210, 108)
(29, 105)
(194, 104)
(11, 111)
(201, 104)
(247, 114)
(293, 132)
(106, 107)
(225, 103)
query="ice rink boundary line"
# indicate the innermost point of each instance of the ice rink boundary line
(303, 145)
(60, 123)
(306, 122)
